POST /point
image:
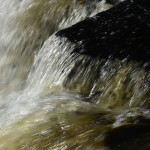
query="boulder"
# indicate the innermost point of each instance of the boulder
(121, 32)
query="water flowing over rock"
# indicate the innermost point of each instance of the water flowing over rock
(82, 87)
(115, 46)
(25, 25)
(122, 32)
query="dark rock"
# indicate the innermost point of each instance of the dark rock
(120, 32)
(131, 137)
(113, 2)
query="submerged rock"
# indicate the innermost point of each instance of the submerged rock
(111, 56)
(134, 135)
(121, 32)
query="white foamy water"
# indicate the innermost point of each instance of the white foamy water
(23, 91)
(46, 77)
(51, 98)
(23, 30)
(19, 85)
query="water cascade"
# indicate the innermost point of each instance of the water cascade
(68, 85)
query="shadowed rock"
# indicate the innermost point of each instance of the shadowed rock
(134, 135)
(120, 32)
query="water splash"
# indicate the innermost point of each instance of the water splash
(49, 97)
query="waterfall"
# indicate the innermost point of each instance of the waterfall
(24, 29)
(55, 96)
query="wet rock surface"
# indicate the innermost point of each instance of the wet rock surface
(121, 32)
(134, 135)
(82, 93)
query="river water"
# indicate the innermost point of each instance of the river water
(53, 99)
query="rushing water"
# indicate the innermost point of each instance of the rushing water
(51, 98)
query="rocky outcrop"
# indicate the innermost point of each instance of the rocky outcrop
(121, 32)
